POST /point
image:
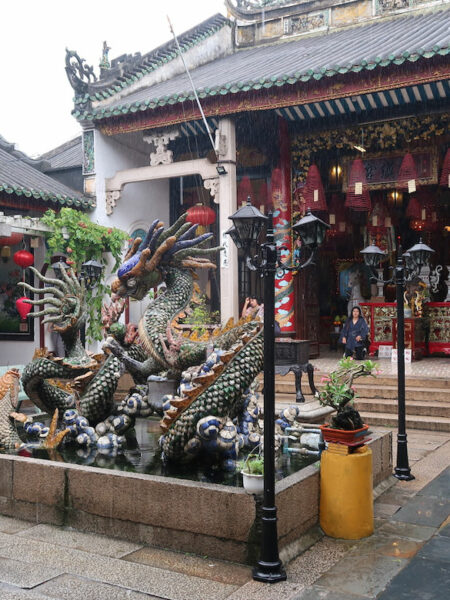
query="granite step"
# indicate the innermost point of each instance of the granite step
(412, 421)
(434, 409)
(368, 391)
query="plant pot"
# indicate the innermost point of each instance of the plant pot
(345, 436)
(253, 483)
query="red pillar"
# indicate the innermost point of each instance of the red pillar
(282, 215)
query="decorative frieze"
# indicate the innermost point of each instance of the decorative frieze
(213, 185)
(111, 201)
(160, 140)
(306, 23)
(88, 152)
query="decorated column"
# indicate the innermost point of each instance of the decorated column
(282, 214)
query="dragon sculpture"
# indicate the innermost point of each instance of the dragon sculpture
(213, 408)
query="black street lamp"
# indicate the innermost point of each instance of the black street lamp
(248, 224)
(91, 272)
(412, 260)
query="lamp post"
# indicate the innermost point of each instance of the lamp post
(407, 267)
(248, 223)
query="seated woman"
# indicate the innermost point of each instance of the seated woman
(354, 334)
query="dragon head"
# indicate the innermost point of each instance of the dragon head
(147, 260)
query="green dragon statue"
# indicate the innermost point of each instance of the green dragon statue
(213, 385)
(79, 379)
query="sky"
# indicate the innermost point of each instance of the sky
(35, 95)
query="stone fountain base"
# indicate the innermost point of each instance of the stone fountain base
(177, 514)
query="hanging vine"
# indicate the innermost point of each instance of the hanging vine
(74, 235)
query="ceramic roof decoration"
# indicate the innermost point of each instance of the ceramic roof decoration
(127, 69)
(380, 43)
(18, 176)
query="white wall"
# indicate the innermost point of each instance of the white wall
(139, 204)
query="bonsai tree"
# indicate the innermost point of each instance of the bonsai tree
(338, 392)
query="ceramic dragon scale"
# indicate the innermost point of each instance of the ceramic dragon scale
(212, 395)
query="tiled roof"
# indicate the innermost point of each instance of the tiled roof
(406, 37)
(66, 156)
(127, 70)
(18, 177)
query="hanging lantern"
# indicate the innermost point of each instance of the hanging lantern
(23, 307)
(11, 240)
(200, 215)
(5, 253)
(244, 191)
(413, 211)
(23, 258)
(445, 175)
(358, 197)
(407, 175)
(337, 218)
(313, 192)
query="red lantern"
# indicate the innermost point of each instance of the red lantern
(413, 211)
(23, 258)
(201, 215)
(358, 197)
(313, 192)
(244, 190)
(11, 240)
(445, 175)
(407, 174)
(23, 307)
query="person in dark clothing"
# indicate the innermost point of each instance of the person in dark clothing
(354, 334)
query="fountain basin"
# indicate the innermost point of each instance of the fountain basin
(188, 516)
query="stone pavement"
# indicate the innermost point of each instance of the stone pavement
(406, 558)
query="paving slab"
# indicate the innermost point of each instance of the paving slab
(89, 542)
(210, 568)
(318, 593)
(24, 575)
(385, 510)
(407, 530)
(424, 510)
(9, 592)
(438, 549)
(439, 487)
(422, 579)
(313, 563)
(254, 590)
(139, 578)
(384, 544)
(363, 575)
(68, 587)
(445, 530)
(11, 525)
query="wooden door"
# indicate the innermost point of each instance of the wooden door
(307, 309)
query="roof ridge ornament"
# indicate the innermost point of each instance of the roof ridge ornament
(79, 74)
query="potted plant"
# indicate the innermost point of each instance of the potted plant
(337, 323)
(252, 471)
(338, 393)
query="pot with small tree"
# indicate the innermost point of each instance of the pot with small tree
(252, 471)
(338, 393)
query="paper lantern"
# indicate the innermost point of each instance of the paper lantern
(358, 197)
(313, 192)
(23, 258)
(23, 308)
(11, 240)
(200, 215)
(244, 190)
(413, 211)
(445, 175)
(407, 175)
